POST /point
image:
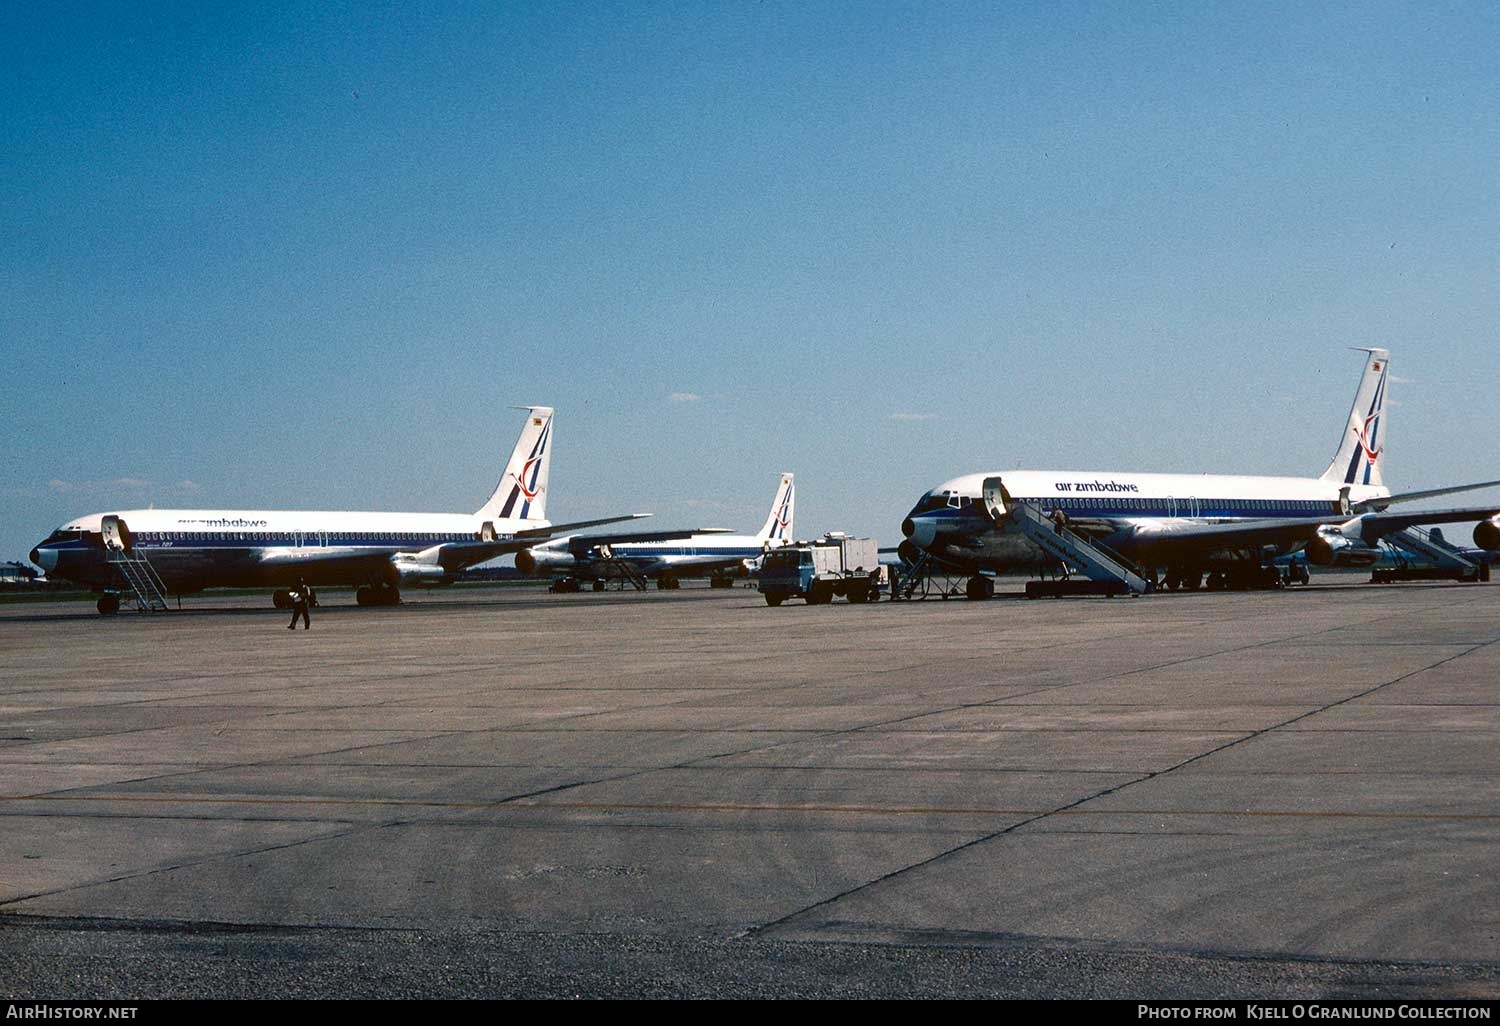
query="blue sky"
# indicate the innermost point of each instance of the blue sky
(306, 255)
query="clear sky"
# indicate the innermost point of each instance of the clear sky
(286, 255)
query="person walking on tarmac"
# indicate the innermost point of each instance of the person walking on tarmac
(301, 595)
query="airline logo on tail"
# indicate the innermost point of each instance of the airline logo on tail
(1357, 461)
(1362, 467)
(521, 492)
(778, 526)
(526, 487)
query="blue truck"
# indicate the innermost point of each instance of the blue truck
(816, 571)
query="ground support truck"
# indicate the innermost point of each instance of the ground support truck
(818, 570)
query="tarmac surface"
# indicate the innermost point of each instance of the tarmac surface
(504, 792)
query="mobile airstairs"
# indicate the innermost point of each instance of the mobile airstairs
(1106, 572)
(1442, 561)
(140, 577)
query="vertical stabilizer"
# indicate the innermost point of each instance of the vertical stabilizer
(522, 491)
(778, 526)
(1358, 460)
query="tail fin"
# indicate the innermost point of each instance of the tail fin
(522, 491)
(778, 526)
(1357, 461)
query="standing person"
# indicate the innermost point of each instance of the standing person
(300, 595)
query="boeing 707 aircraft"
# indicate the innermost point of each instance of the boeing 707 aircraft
(713, 553)
(1231, 528)
(379, 553)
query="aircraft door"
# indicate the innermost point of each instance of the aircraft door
(116, 534)
(1171, 506)
(1192, 506)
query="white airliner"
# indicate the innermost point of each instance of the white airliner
(379, 553)
(1229, 527)
(713, 554)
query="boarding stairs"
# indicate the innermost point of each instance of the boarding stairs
(142, 580)
(1097, 562)
(1431, 548)
(614, 568)
(928, 576)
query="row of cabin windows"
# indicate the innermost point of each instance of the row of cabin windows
(1259, 507)
(292, 537)
(1268, 507)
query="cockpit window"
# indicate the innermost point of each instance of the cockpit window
(64, 533)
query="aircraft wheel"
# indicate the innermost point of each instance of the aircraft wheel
(774, 600)
(108, 605)
(979, 588)
(598, 585)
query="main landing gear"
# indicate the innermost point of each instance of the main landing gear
(377, 595)
(1246, 576)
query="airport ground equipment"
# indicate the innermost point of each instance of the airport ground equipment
(819, 570)
(1439, 559)
(1111, 573)
(138, 575)
(606, 569)
(922, 575)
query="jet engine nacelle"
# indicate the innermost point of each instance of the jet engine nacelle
(540, 562)
(413, 574)
(1333, 549)
(1487, 534)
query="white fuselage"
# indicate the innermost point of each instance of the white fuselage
(1133, 513)
(697, 554)
(193, 549)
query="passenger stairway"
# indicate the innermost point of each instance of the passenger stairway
(142, 580)
(1095, 561)
(620, 569)
(928, 577)
(1431, 547)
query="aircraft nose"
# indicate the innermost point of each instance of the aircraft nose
(46, 558)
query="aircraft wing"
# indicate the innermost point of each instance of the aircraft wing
(316, 556)
(1378, 525)
(448, 555)
(583, 542)
(1431, 493)
(1190, 537)
(457, 555)
(1200, 537)
(533, 535)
